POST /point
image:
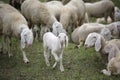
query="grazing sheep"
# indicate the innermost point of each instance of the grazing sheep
(114, 28)
(113, 66)
(13, 24)
(103, 8)
(37, 13)
(98, 41)
(56, 45)
(73, 14)
(80, 34)
(54, 8)
(58, 28)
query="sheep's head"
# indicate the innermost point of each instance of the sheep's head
(105, 32)
(26, 37)
(63, 39)
(93, 39)
(57, 27)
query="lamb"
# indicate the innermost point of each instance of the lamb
(80, 34)
(103, 8)
(56, 44)
(73, 14)
(98, 41)
(113, 66)
(54, 8)
(13, 24)
(58, 28)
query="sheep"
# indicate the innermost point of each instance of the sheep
(114, 28)
(37, 13)
(98, 41)
(73, 14)
(80, 34)
(113, 66)
(56, 44)
(54, 8)
(117, 14)
(103, 8)
(13, 24)
(57, 29)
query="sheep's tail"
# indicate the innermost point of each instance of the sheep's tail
(104, 71)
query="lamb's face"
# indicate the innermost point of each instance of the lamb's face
(90, 40)
(29, 37)
(63, 39)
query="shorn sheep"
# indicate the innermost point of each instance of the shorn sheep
(56, 45)
(103, 8)
(113, 66)
(13, 24)
(80, 34)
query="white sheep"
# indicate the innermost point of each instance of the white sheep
(13, 24)
(73, 14)
(80, 34)
(103, 8)
(56, 45)
(54, 8)
(113, 66)
(58, 28)
(98, 41)
(37, 13)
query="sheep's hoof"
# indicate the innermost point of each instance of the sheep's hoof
(48, 64)
(62, 69)
(26, 61)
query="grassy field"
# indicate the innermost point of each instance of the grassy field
(79, 64)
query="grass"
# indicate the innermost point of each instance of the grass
(79, 64)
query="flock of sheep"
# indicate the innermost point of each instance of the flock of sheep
(53, 20)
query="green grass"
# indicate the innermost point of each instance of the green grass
(79, 64)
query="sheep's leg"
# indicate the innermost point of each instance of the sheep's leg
(61, 65)
(56, 58)
(4, 44)
(46, 55)
(9, 46)
(104, 71)
(25, 59)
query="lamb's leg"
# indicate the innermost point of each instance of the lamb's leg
(61, 65)
(25, 59)
(56, 58)
(46, 55)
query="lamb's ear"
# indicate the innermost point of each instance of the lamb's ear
(66, 41)
(22, 40)
(98, 44)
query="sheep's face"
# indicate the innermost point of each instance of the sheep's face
(63, 39)
(26, 37)
(57, 26)
(90, 40)
(106, 33)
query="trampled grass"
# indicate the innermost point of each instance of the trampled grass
(79, 64)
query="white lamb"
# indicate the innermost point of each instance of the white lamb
(13, 24)
(56, 45)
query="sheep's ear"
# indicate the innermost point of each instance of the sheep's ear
(66, 41)
(22, 40)
(98, 44)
